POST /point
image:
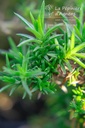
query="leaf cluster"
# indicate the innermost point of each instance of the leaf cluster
(32, 64)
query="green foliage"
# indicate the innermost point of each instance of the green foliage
(30, 65)
(37, 58)
(18, 72)
(78, 103)
(80, 26)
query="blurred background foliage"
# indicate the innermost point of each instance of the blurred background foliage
(50, 111)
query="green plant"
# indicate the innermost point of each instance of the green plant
(33, 54)
(78, 105)
(35, 62)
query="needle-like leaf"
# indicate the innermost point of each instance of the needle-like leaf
(78, 61)
(25, 36)
(78, 48)
(72, 40)
(5, 87)
(24, 20)
(25, 86)
(12, 44)
(35, 33)
(7, 61)
(42, 11)
(29, 41)
(80, 55)
(52, 29)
